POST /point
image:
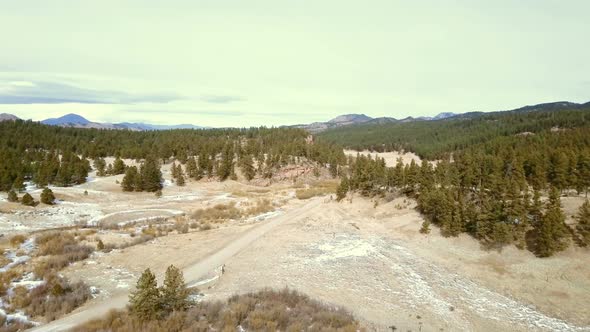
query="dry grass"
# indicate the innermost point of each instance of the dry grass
(17, 240)
(60, 250)
(223, 212)
(218, 213)
(318, 188)
(266, 310)
(55, 298)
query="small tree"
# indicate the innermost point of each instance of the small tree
(118, 166)
(144, 302)
(425, 229)
(342, 189)
(130, 179)
(47, 196)
(28, 200)
(174, 291)
(12, 196)
(100, 245)
(583, 226)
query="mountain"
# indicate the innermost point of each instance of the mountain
(348, 119)
(8, 117)
(67, 120)
(78, 121)
(339, 121)
(444, 115)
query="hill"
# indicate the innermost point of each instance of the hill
(432, 139)
(357, 119)
(8, 117)
(77, 121)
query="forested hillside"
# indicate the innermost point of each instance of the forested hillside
(58, 156)
(434, 139)
(502, 191)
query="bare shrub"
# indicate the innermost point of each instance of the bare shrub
(17, 240)
(267, 310)
(218, 213)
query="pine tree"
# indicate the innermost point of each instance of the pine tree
(28, 200)
(151, 176)
(552, 233)
(12, 196)
(583, 219)
(130, 179)
(247, 167)
(118, 166)
(583, 173)
(191, 168)
(174, 293)
(144, 302)
(342, 188)
(180, 181)
(47, 196)
(18, 184)
(99, 164)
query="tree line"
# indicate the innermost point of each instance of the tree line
(437, 139)
(30, 151)
(494, 191)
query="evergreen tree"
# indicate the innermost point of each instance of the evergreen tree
(151, 176)
(144, 302)
(174, 293)
(47, 196)
(12, 196)
(583, 219)
(247, 167)
(18, 184)
(28, 200)
(227, 163)
(552, 233)
(191, 168)
(583, 173)
(342, 189)
(100, 165)
(118, 166)
(130, 179)
(180, 176)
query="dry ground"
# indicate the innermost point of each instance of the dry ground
(371, 260)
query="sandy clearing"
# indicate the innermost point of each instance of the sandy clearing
(390, 157)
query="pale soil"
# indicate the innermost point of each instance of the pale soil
(373, 261)
(390, 157)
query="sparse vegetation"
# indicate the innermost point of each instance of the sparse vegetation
(266, 310)
(318, 188)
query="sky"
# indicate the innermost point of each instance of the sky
(242, 63)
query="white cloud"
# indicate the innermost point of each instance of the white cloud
(269, 62)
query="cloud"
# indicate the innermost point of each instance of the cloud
(220, 99)
(44, 92)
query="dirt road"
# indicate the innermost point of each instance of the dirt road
(192, 274)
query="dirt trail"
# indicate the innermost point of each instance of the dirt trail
(192, 274)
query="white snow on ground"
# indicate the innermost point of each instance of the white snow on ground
(28, 281)
(265, 216)
(167, 183)
(26, 247)
(418, 283)
(181, 197)
(96, 220)
(342, 246)
(17, 316)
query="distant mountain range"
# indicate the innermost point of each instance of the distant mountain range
(78, 121)
(8, 117)
(355, 119)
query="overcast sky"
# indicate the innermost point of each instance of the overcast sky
(272, 62)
